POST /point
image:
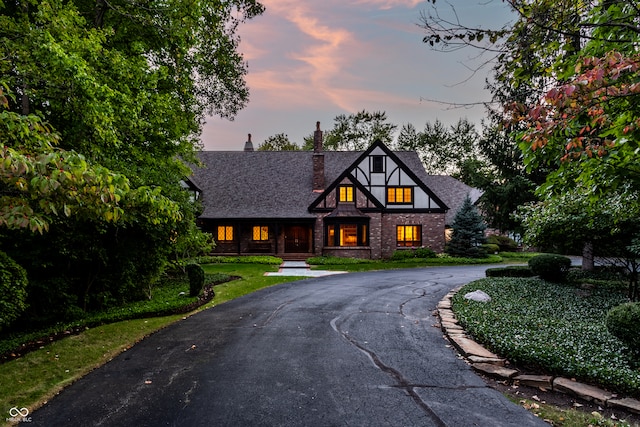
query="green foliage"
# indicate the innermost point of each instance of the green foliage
(511, 271)
(335, 260)
(356, 132)
(553, 268)
(195, 273)
(491, 248)
(443, 150)
(604, 273)
(622, 322)
(279, 142)
(101, 105)
(171, 296)
(13, 290)
(551, 327)
(413, 253)
(505, 244)
(468, 233)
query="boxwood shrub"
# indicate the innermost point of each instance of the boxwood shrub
(195, 273)
(550, 267)
(623, 321)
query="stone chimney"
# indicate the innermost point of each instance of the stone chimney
(318, 161)
(248, 146)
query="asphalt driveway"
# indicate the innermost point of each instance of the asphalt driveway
(356, 349)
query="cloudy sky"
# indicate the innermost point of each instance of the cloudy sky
(311, 60)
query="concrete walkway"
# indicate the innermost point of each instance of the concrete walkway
(300, 269)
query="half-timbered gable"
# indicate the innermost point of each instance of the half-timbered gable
(298, 204)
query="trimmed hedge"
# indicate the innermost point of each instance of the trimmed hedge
(511, 271)
(421, 253)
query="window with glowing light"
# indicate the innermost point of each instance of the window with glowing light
(345, 193)
(260, 233)
(400, 195)
(408, 235)
(225, 233)
(345, 234)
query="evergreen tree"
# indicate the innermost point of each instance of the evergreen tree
(468, 233)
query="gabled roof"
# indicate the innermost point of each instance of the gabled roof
(396, 159)
(279, 184)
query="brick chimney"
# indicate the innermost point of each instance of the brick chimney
(318, 161)
(248, 146)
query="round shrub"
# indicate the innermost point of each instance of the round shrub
(13, 290)
(622, 322)
(195, 273)
(425, 253)
(553, 268)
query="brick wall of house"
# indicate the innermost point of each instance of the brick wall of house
(432, 230)
(382, 235)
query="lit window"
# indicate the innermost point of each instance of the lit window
(225, 233)
(345, 193)
(347, 234)
(400, 195)
(409, 235)
(260, 233)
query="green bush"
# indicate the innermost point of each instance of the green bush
(425, 253)
(550, 267)
(336, 260)
(491, 248)
(13, 290)
(623, 321)
(196, 279)
(611, 273)
(404, 254)
(505, 243)
(511, 271)
(249, 259)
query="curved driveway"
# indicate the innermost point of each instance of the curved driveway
(358, 349)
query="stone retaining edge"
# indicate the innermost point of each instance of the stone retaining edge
(488, 363)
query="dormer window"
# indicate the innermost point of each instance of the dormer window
(345, 193)
(400, 195)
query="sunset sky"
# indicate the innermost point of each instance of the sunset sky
(312, 60)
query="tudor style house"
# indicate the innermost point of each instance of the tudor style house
(297, 204)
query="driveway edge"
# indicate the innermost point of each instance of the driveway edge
(488, 363)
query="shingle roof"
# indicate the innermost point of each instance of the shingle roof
(278, 184)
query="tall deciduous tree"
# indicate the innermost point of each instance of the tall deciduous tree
(122, 88)
(443, 149)
(278, 142)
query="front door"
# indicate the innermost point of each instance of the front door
(297, 239)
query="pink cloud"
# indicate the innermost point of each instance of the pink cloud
(388, 4)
